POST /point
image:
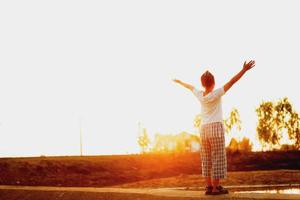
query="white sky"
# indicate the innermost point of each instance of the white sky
(111, 64)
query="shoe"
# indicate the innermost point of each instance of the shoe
(221, 190)
(208, 190)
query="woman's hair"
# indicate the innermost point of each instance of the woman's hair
(207, 79)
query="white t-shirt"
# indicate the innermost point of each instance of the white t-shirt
(211, 105)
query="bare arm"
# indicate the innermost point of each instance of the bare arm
(186, 85)
(238, 76)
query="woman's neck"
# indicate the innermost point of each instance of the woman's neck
(207, 91)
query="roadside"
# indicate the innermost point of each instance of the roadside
(234, 178)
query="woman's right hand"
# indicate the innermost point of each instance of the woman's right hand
(249, 65)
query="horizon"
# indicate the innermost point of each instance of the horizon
(111, 67)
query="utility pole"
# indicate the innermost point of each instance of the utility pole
(80, 132)
(139, 128)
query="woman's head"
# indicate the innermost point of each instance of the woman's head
(208, 80)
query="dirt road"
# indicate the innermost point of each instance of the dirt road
(86, 193)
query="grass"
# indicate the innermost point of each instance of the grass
(147, 170)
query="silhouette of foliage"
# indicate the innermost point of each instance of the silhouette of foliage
(197, 121)
(180, 143)
(183, 142)
(233, 120)
(229, 123)
(233, 145)
(144, 141)
(242, 146)
(276, 119)
(288, 147)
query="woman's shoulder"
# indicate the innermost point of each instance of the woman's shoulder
(198, 93)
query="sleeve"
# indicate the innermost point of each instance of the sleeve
(197, 93)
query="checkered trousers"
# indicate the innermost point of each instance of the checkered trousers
(213, 152)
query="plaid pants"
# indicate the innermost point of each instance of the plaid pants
(213, 152)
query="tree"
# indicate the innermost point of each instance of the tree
(245, 145)
(163, 143)
(197, 121)
(178, 143)
(242, 146)
(233, 120)
(233, 145)
(287, 147)
(182, 142)
(276, 119)
(229, 123)
(144, 141)
(266, 129)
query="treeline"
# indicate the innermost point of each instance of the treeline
(185, 142)
(275, 119)
(190, 142)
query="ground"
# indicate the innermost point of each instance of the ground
(103, 171)
(144, 177)
(82, 193)
(266, 177)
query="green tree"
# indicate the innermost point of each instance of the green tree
(276, 119)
